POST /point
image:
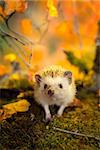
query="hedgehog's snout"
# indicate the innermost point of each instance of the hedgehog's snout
(50, 92)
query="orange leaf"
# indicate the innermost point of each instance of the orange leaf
(18, 5)
(76, 103)
(3, 70)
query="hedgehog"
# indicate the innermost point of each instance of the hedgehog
(54, 85)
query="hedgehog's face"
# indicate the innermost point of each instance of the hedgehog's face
(54, 87)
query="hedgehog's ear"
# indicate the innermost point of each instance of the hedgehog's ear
(68, 74)
(38, 78)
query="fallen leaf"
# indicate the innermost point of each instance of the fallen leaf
(76, 103)
(20, 106)
(98, 105)
(9, 109)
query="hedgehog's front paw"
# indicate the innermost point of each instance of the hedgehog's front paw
(60, 111)
(47, 113)
(59, 114)
(48, 117)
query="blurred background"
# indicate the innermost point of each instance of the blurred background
(36, 33)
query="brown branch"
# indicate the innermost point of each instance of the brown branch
(21, 50)
(44, 33)
(10, 44)
(6, 21)
(25, 39)
(30, 56)
(15, 38)
(60, 10)
(20, 38)
(8, 17)
(47, 21)
(11, 36)
(77, 24)
(19, 55)
(75, 133)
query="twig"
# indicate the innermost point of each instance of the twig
(60, 11)
(8, 17)
(75, 133)
(77, 24)
(21, 50)
(6, 20)
(4, 34)
(20, 56)
(11, 36)
(47, 21)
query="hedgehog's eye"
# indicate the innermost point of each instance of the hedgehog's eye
(60, 85)
(45, 86)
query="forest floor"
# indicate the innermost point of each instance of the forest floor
(21, 133)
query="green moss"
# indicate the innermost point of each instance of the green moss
(19, 132)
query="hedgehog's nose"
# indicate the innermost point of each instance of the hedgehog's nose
(50, 92)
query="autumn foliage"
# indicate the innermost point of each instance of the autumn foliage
(13, 5)
(58, 26)
(49, 31)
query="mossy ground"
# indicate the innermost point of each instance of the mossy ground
(20, 133)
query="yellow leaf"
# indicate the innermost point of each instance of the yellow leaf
(15, 76)
(10, 57)
(20, 106)
(12, 108)
(52, 9)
